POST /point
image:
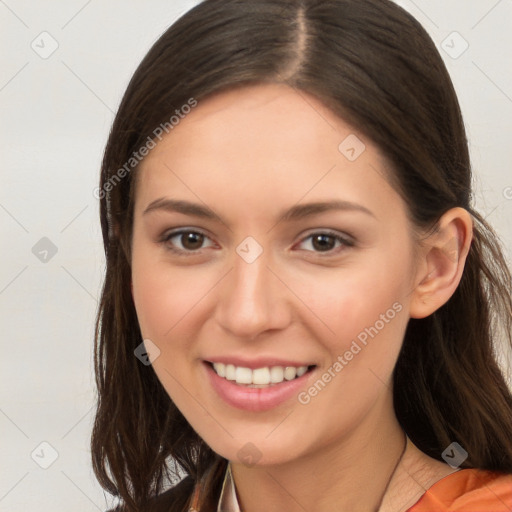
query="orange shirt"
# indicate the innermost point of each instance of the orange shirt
(468, 490)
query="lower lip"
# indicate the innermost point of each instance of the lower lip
(255, 399)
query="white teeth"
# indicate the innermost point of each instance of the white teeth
(276, 374)
(259, 376)
(301, 370)
(230, 372)
(243, 375)
(220, 368)
(290, 373)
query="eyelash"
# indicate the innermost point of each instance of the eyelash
(165, 239)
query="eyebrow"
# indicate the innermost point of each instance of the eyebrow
(296, 212)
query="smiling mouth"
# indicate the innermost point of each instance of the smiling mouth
(266, 376)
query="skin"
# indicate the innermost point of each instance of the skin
(249, 155)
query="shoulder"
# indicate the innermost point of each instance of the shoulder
(468, 489)
(171, 500)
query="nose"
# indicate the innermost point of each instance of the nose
(252, 300)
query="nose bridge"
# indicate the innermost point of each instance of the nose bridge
(250, 301)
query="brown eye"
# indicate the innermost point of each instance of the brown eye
(323, 242)
(186, 241)
(192, 241)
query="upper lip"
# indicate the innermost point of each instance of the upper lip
(260, 362)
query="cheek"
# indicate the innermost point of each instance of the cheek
(348, 303)
(166, 302)
(364, 303)
(164, 298)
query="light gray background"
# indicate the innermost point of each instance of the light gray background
(55, 116)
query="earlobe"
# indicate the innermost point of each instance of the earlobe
(443, 260)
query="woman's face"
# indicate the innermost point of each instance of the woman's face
(267, 241)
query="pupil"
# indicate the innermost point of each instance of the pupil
(192, 241)
(323, 242)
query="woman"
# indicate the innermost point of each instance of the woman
(300, 303)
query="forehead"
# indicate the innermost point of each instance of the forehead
(267, 142)
(259, 113)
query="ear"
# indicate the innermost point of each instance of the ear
(442, 259)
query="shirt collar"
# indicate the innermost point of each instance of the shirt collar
(228, 501)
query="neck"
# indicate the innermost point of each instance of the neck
(352, 473)
(416, 473)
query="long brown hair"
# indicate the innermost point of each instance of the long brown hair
(376, 67)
